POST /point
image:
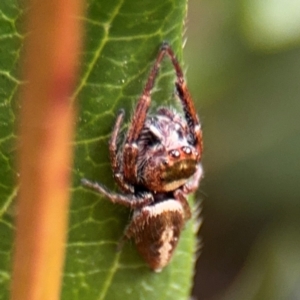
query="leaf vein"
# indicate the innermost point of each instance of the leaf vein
(109, 277)
(8, 201)
(99, 50)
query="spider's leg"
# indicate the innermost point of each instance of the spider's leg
(132, 201)
(193, 183)
(138, 121)
(181, 197)
(115, 159)
(186, 100)
(115, 164)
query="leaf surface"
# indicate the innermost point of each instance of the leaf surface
(122, 40)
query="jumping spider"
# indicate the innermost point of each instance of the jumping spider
(158, 165)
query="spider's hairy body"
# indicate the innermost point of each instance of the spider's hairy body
(157, 166)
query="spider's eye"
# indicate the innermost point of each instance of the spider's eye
(155, 134)
(152, 139)
(191, 139)
(179, 130)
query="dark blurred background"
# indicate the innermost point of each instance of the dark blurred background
(243, 69)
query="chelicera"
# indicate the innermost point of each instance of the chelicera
(157, 166)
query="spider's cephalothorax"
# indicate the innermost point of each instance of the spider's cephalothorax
(167, 155)
(158, 165)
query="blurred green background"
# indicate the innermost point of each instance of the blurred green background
(243, 69)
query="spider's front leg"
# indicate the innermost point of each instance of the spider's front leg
(187, 102)
(181, 197)
(137, 123)
(115, 159)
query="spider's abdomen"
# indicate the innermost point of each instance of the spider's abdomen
(156, 230)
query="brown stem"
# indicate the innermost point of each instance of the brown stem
(44, 152)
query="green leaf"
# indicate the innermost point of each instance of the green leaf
(122, 40)
(11, 41)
